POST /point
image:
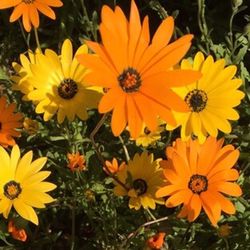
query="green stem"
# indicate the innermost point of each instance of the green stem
(92, 139)
(73, 225)
(23, 33)
(85, 13)
(125, 149)
(150, 214)
(203, 24)
(37, 39)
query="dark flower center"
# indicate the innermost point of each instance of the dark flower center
(196, 100)
(198, 183)
(28, 1)
(0, 126)
(130, 80)
(146, 131)
(12, 190)
(67, 89)
(140, 186)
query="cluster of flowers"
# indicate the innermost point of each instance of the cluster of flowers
(143, 83)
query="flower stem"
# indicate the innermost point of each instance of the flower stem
(37, 39)
(124, 148)
(73, 225)
(92, 139)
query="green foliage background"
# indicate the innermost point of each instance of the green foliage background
(86, 214)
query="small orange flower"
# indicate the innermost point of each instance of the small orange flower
(198, 175)
(113, 166)
(9, 122)
(29, 9)
(76, 162)
(16, 233)
(156, 241)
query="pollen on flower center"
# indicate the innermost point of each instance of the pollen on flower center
(67, 89)
(140, 186)
(12, 190)
(198, 183)
(196, 100)
(130, 80)
(28, 1)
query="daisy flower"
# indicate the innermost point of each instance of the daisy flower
(29, 9)
(147, 137)
(211, 99)
(198, 175)
(22, 185)
(142, 176)
(59, 87)
(23, 72)
(136, 71)
(9, 122)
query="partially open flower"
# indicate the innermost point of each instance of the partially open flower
(16, 233)
(30, 126)
(76, 162)
(156, 241)
(113, 166)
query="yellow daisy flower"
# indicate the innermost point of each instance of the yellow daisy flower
(59, 85)
(22, 185)
(148, 137)
(211, 99)
(142, 177)
(23, 71)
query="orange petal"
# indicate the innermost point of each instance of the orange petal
(17, 12)
(211, 207)
(226, 205)
(180, 166)
(165, 58)
(206, 156)
(52, 3)
(226, 175)
(164, 96)
(100, 51)
(114, 48)
(4, 4)
(26, 19)
(142, 42)
(164, 33)
(109, 100)
(134, 118)
(194, 207)
(119, 116)
(229, 188)
(178, 198)
(34, 17)
(225, 162)
(146, 111)
(45, 9)
(174, 78)
(167, 190)
(134, 31)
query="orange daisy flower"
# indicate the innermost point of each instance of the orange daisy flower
(156, 241)
(197, 175)
(16, 233)
(137, 73)
(113, 166)
(29, 9)
(9, 122)
(76, 162)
